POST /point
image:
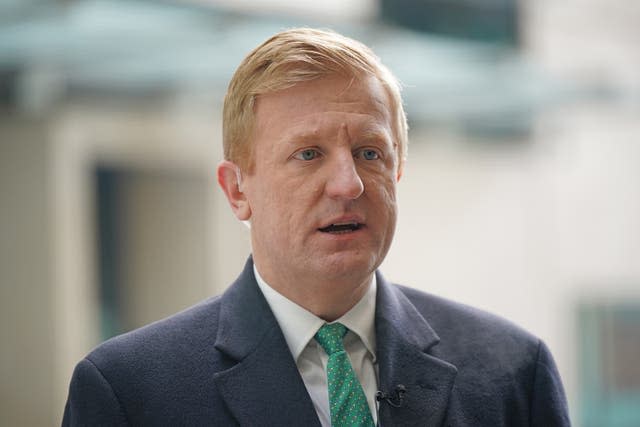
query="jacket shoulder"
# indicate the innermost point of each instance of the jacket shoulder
(196, 325)
(459, 324)
(161, 355)
(159, 374)
(502, 368)
(485, 348)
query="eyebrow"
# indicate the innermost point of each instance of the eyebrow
(370, 133)
(375, 134)
(300, 138)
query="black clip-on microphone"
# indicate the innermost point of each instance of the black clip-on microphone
(395, 399)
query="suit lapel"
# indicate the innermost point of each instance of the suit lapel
(264, 385)
(403, 339)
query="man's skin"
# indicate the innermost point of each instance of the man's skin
(324, 153)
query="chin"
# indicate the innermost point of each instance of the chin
(347, 266)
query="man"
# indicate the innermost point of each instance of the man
(311, 333)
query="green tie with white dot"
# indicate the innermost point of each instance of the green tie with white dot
(347, 402)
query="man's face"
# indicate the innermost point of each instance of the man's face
(321, 193)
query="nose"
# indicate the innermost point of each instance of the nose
(343, 180)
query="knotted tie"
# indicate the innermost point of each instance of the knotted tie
(347, 402)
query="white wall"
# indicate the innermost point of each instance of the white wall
(169, 141)
(26, 331)
(530, 230)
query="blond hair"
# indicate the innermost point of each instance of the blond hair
(294, 56)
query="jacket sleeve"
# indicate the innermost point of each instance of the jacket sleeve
(548, 401)
(91, 400)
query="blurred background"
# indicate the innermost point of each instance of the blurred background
(521, 194)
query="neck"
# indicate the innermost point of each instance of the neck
(333, 306)
(327, 299)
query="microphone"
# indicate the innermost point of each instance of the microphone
(395, 398)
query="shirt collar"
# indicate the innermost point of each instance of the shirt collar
(299, 325)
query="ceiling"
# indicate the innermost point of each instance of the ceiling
(141, 46)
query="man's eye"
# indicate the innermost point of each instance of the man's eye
(307, 154)
(369, 154)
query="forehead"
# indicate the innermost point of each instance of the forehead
(320, 102)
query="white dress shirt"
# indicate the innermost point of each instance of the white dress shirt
(299, 327)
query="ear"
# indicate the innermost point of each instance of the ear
(230, 180)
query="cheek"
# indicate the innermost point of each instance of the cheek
(264, 205)
(282, 208)
(388, 197)
(382, 190)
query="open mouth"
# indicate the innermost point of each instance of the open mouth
(342, 228)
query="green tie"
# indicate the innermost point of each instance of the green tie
(347, 401)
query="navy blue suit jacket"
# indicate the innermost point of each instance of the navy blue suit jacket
(225, 362)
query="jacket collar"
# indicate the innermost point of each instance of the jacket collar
(265, 385)
(404, 340)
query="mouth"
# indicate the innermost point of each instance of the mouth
(341, 228)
